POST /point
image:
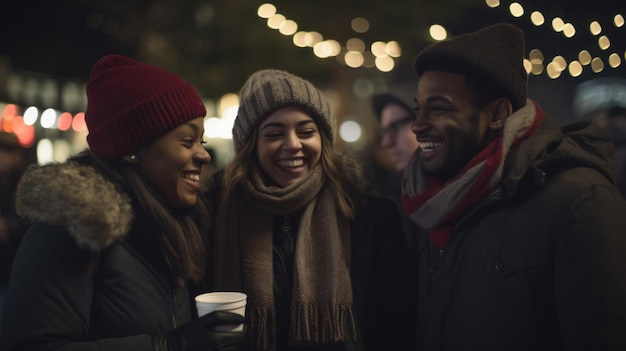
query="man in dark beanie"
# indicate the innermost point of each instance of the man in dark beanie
(527, 246)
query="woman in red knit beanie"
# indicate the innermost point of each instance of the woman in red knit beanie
(117, 233)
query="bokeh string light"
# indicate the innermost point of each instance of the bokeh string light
(355, 53)
(535, 63)
(381, 55)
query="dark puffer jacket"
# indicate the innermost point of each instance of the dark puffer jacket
(540, 264)
(75, 280)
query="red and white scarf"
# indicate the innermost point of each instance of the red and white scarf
(435, 206)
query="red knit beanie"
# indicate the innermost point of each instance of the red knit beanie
(129, 104)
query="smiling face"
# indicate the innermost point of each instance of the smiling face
(289, 145)
(398, 139)
(451, 130)
(173, 163)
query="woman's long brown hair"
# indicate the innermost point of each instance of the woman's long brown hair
(182, 232)
(344, 173)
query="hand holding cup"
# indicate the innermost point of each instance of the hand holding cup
(222, 301)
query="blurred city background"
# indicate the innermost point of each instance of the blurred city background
(350, 49)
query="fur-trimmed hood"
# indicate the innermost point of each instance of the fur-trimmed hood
(77, 197)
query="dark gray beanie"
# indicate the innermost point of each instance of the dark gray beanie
(380, 101)
(495, 52)
(268, 90)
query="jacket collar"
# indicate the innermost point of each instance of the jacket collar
(91, 208)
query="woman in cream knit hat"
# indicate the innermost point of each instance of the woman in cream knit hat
(324, 263)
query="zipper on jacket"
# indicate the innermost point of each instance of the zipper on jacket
(285, 228)
(174, 307)
(436, 255)
(172, 282)
(433, 264)
(431, 271)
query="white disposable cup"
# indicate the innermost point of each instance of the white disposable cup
(223, 301)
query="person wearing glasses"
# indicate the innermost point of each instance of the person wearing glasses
(395, 117)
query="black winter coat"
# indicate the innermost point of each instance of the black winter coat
(541, 263)
(79, 286)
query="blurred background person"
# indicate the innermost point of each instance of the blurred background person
(395, 117)
(13, 161)
(208, 170)
(616, 128)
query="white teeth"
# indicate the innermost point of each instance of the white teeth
(429, 145)
(191, 176)
(291, 163)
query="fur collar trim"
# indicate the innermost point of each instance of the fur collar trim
(91, 208)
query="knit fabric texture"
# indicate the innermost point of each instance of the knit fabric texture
(495, 52)
(321, 302)
(435, 205)
(268, 90)
(129, 104)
